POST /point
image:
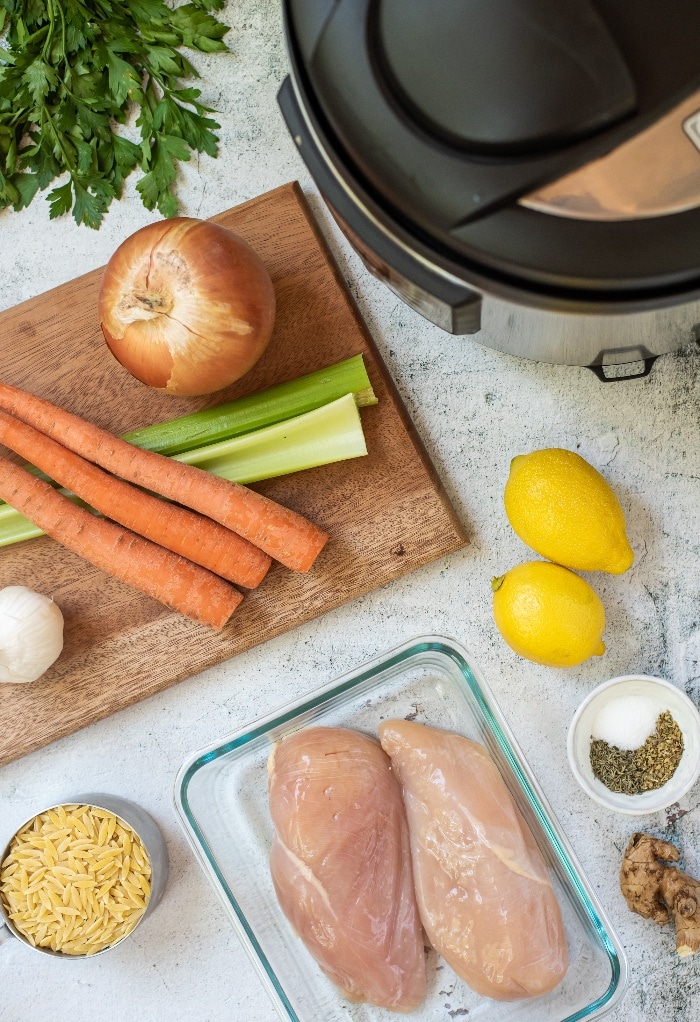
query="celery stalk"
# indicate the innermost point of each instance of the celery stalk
(255, 411)
(324, 435)
(327, 434)
(14, 527)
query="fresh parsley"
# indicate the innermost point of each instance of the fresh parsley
(71, 71)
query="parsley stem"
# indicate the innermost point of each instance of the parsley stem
(70, 165)
(36, 36)
(64, 55)
(150, 92)
(46, 51)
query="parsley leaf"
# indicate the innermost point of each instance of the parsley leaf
(61, 200)
(124, 81)
(70, 73)
(40, 77)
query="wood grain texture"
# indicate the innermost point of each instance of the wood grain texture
(386, 514)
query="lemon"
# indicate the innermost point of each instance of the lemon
(563, 509)
(548, 614)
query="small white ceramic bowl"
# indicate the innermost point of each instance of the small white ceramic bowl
(669, 698)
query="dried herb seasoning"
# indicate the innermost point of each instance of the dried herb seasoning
(632, 771)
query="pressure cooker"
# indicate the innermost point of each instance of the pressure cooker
(523, 170)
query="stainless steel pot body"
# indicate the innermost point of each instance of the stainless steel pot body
(544, 335)
(586, 339)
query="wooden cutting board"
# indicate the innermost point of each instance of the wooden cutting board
(387, 514)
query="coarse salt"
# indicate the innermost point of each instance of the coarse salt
(627, 721)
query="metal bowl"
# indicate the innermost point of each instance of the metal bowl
(145, 828)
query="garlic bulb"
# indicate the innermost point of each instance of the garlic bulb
(31, 634)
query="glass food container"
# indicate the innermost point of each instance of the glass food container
(221, 800)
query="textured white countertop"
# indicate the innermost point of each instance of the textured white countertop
(475, 410)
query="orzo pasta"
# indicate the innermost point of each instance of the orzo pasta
(76, 879)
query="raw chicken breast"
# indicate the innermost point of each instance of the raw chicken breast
(341, 864)
(483, 891)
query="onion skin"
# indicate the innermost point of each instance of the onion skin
(186, 306)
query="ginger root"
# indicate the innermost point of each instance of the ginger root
(657, 891)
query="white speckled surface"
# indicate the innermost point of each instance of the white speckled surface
(475, 409)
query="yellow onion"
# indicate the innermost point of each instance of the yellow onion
(186, 306)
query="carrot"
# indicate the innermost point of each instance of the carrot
(281, 533)
(184, 532)
(175, 581)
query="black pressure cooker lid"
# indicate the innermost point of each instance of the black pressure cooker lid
(450, 111)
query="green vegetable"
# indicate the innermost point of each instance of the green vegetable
(264, 408)
(72, 73)
(245, 414)
(327, 434)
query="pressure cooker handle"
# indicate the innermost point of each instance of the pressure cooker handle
(645, 357)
